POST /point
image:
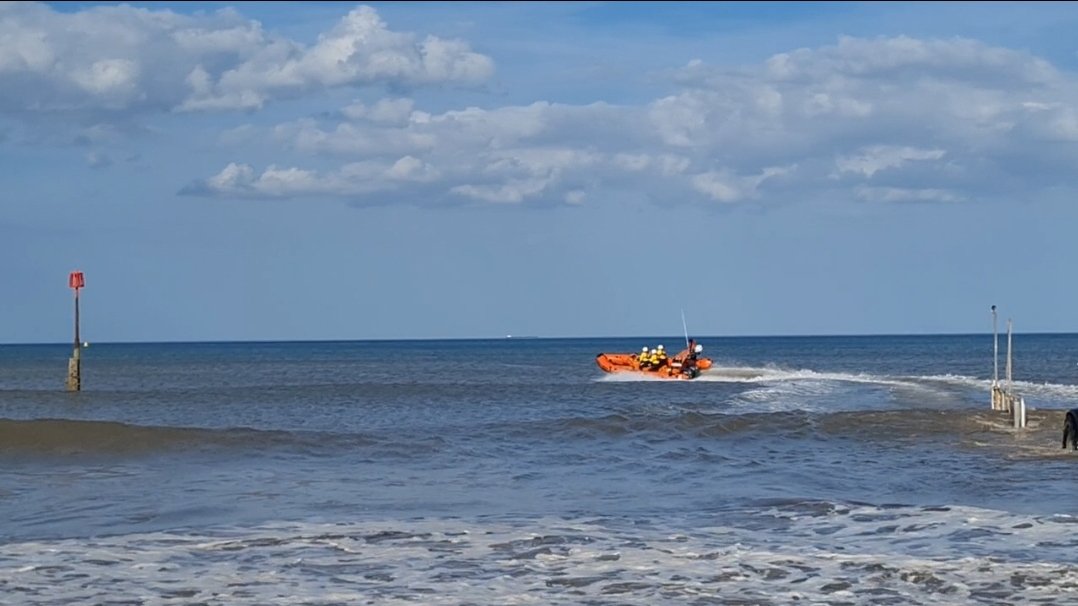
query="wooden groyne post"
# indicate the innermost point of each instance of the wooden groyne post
(1003, 397)
(74, 365)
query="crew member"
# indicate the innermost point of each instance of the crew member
(653, 359)
(642, 358)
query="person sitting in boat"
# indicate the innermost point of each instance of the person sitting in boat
(642, 358)
(653, 360)
(661, 354)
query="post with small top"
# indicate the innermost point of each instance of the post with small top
(995, 348)
(997, 390)
(74, 365)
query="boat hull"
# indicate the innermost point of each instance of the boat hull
(628, 363)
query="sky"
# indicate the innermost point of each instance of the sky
(323, 171)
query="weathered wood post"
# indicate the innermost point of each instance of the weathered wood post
(74, 365)
(1019, 412)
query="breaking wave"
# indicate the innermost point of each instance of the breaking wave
(787, 551)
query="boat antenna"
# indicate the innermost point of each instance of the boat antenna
(685, 327)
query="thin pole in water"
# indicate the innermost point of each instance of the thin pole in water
(1010, 380)
(995, 348)
(74, 366)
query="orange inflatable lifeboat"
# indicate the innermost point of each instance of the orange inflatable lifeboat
(680, 366)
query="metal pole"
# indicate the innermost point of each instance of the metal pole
(1009, 377)
(78, 345)
(995, 349)
(78, 341)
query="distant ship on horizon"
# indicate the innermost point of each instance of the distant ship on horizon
(521, 337)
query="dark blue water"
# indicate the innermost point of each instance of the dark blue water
(794, 449)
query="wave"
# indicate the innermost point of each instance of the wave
(829, 553)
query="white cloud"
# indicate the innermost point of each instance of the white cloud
(121, 57)
(880, 120)
(359, 50)
(513, 191)
(409, 168)
(390, 112)
(355, 139)
(725, 187)
(354, 179)
(721, 187)
(98, 159)
(870, 160)
(233, 179)
(898, 194)
(903, 57)
(665, 164)
(110, 79)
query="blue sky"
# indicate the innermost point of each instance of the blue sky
(264, 171)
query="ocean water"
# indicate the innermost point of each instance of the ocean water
(809, 470)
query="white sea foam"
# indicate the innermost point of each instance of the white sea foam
(777, 389)
(633, 377)
(746, 374)
(810, 553)
(742, 374)
(1052, 391)
(782, 383)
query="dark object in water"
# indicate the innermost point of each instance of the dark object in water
(1070, 428)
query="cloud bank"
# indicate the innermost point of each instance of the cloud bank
(873, 120)
(885, 120)
(122, 58)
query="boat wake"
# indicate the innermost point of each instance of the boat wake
(772, 380)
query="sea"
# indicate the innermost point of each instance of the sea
(797, 470)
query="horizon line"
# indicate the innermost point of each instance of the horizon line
(531, 338)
